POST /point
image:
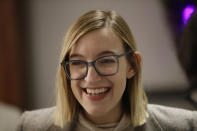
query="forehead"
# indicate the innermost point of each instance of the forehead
(97, 41)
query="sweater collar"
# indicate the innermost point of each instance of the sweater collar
(121, 125)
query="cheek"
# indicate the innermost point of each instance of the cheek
(121, 77)
(122, 71)
(75, 89)
(119, 82)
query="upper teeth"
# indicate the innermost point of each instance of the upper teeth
(96, 91)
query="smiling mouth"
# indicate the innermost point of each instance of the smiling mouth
(97, 91)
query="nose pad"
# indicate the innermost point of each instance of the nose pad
(92, 75)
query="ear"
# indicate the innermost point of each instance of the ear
(138, 55)
(130, 71)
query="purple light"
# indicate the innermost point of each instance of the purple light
(189, 9)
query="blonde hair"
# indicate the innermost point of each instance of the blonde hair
(134, 98)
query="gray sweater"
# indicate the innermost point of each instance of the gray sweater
(160, 118)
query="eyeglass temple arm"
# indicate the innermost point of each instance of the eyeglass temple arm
(126, 53)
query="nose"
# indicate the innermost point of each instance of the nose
(92, 75)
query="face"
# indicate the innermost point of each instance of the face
(108, 90)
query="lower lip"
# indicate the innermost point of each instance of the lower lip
(96, 97)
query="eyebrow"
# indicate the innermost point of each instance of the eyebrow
(99, 54)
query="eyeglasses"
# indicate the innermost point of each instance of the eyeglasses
(104, 66)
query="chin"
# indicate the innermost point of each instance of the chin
(95, 111)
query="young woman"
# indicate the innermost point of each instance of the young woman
(99, 84)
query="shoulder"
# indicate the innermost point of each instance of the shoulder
(40, 119)
(169, 118)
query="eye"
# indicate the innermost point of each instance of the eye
(107, 61)
(76, 63)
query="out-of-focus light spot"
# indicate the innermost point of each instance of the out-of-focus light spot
(188, 10)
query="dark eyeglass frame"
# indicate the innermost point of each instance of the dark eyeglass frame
(92, 63)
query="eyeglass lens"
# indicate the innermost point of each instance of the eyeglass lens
(104, 66)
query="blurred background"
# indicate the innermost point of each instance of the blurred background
(32, 33)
